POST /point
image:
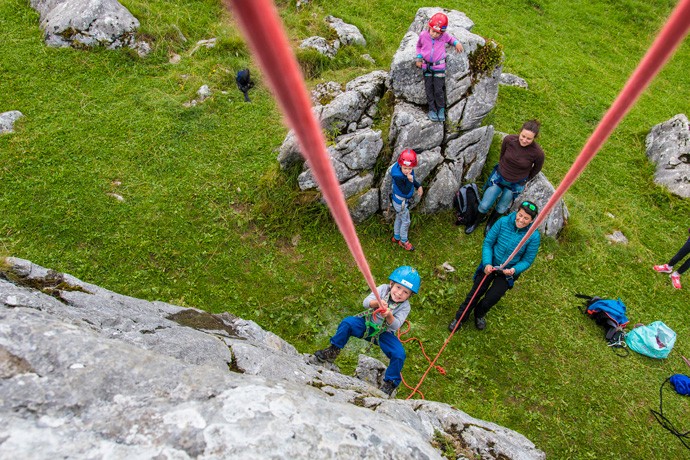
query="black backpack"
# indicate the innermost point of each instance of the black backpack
(466, 204)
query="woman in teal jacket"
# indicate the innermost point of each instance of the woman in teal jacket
(499, 243)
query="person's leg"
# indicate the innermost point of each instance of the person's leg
(490, 196)
(683, 268)
(404, 223)
(484, 286)
(398, 220)
(348, 327)
(429, 89)
(682, 252)
(498, 288)
(393, 349)
(507, 199)
(352, 325)
(440, 97)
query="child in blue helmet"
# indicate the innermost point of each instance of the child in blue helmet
(380, 328)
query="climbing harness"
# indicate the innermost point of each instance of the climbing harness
(372, 324)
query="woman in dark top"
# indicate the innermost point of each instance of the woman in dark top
(521, 159)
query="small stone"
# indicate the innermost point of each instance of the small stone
(448, 267)
(617, 237)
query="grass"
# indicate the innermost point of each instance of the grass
(208, 220)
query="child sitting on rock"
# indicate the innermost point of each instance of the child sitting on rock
(431, 58)
(370, 326)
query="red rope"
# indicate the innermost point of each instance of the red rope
(268, 41)
(673, 33)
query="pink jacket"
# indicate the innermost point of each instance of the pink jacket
(433, 51)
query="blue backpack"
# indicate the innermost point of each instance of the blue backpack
(610, 314)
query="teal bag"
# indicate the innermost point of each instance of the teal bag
(654, 340)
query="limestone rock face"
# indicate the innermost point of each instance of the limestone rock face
(668, 145)
(87, 23)
(347, 33)
(89, 373)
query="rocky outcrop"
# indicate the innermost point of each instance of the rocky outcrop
(88, 373)
(321, 45)
(87, 23)
(450, 154)
(668, 145)
(7, 120)
(508, 79)
(348, 34)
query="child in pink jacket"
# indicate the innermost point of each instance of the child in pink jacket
(431, 57)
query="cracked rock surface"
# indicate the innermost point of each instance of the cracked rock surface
(89, 373)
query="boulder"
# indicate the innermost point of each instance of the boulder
(481, 101)
(347, 33)
(321, 45)
(668, 145)
(508, 79)
(7, 120)
(89, 373)
(470, 151)
(325, 92)
(411, 129)
(366, 206)
(539, 191)
(86, 23)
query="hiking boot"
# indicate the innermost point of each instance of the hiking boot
(433, 116)
(394, 240)
(388, 387)
(480, 218)
(327, 355)
(451, 326)
(675, 280)
(492, 220)
(406, 245)
(480, 323)
(441, 114)
(665, 268)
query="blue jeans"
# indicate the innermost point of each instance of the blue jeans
(504, 194)
(402, 220)
(389, 343)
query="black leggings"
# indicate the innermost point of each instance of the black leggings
(684, 251)
(435, 95)
(495, 286)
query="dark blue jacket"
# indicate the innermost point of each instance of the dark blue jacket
(503, 238)
(402, 186)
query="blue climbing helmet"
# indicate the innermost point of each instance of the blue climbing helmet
(406, 276)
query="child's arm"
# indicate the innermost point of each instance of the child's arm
(455, 42)
(420, 58)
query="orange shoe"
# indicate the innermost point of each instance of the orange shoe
(406, 245)
(665, 268)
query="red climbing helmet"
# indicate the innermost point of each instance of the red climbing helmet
(438, 22)
(408, 157)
